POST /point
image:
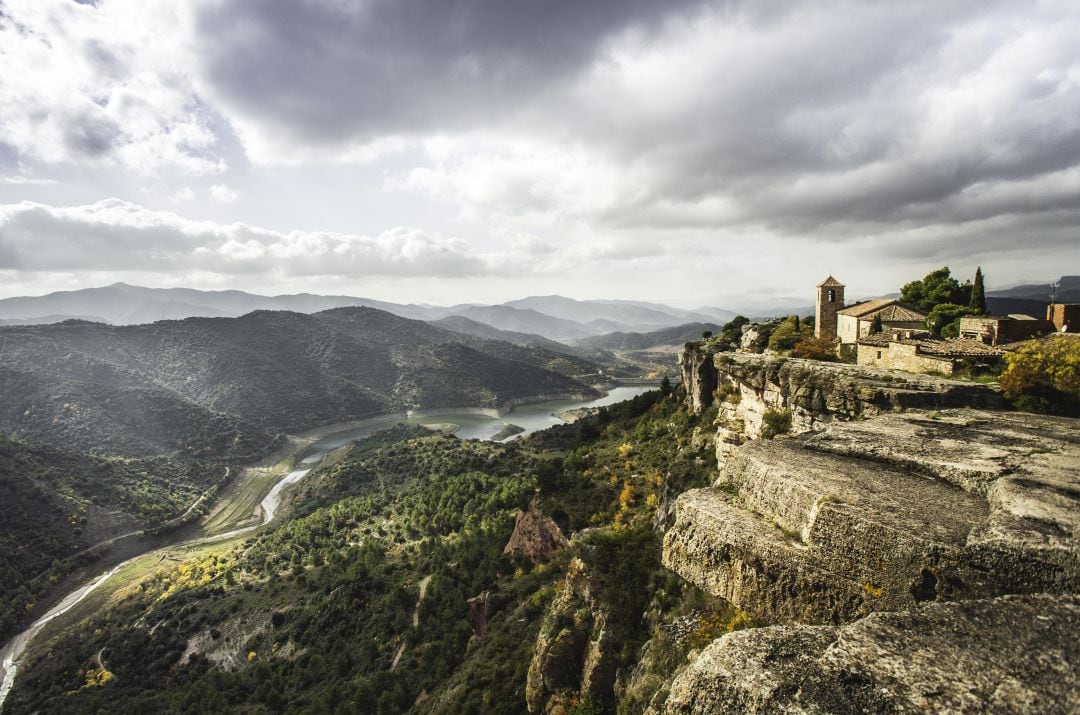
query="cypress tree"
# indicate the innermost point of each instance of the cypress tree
(978, 294)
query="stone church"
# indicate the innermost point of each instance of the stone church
(834, 321)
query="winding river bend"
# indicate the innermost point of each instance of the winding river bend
(531, 417)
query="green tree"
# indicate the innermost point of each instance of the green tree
(665, 386)
(787, 334)
(936, 288)
(731, 334)
(876, 326)
(978, 294)
(944, 319)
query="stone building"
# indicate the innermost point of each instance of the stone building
(1064, 316)
(854, 322)
(998, 329)
(830, 299)
(921, 352)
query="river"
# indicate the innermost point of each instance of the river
(532, 417)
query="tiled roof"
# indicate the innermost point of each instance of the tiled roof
(936, 347)
(889, 308)
(860, 309)
(898, 312)
(830, 282)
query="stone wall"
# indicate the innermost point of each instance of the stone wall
(898, 356)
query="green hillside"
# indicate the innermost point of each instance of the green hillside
(324, 614)
(225, 386)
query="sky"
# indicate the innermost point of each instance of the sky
(447, 151)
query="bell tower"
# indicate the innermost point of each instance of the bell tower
(830, 299)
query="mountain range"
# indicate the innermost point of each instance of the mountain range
(553, 317)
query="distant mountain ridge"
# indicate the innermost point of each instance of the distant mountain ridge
(552, 317)
(677, 335)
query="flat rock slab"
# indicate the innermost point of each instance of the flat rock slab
(884, 513)
(1015, 654)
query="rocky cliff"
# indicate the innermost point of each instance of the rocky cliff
(892, 492)
(1016, 654)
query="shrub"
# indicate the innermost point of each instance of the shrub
(1044, 376)
(815, 349)
(787, 334)
(775, 422)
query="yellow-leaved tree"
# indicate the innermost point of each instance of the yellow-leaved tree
(1044, 376)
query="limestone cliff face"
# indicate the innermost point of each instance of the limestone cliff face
(894, 492)
(813, 393)
(1015, 654)
(573, 659)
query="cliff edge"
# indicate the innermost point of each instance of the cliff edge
(891, 493)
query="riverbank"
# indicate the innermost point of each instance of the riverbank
(260, 484)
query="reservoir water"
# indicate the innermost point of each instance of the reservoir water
(532, 417)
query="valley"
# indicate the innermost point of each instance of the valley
(386, 565)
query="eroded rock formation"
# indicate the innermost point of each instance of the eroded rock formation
(1016, 654)
(892, 497)
(536, 536)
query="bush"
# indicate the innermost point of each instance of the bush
(944, 319)
(775, 422)
(1044, 376)
(787, 334)
(815, 349)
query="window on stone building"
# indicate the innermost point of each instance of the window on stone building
(878, 354)
(832, 296)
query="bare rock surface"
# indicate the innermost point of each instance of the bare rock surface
(535, 535)
(1015, 654)
(884, 513)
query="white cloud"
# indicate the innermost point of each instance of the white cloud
(114, 235)
(103, 83)
(27, 181)
(183, 195)
(222, 194)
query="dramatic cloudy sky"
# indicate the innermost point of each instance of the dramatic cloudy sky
(483, 150)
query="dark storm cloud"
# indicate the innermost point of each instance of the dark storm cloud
(793, 116)
(339, 69)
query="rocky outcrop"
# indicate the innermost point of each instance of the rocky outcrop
(886, 513)
(698, 376)
(896, 495)
(574, 656)
(481, 608)
(1016, 654)
(813, 394)
(536, 536)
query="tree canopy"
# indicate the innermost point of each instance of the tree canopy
(978, 294)
(936, 288)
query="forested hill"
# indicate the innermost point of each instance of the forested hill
(642, 341)
(223, 386)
